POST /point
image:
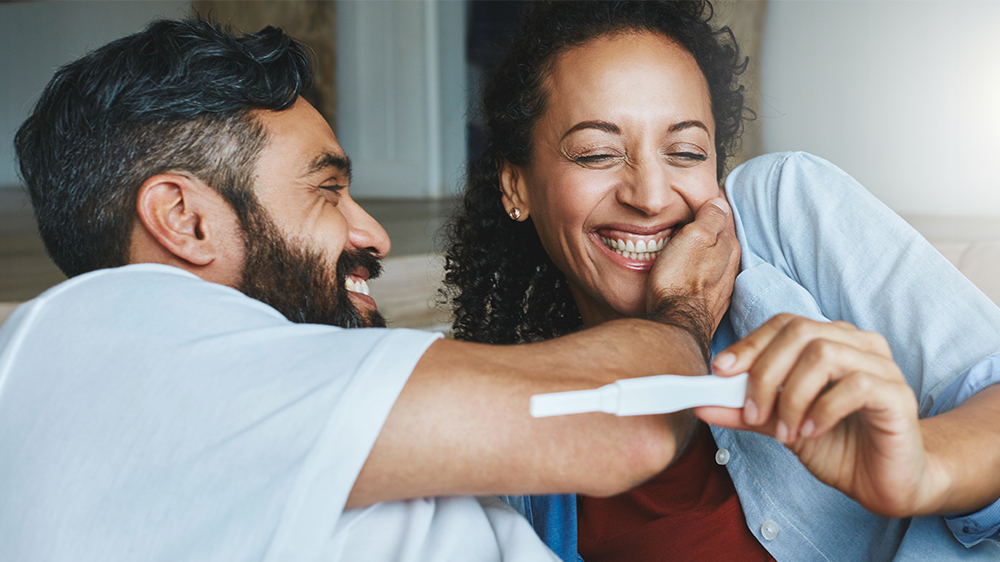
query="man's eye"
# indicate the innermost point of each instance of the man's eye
(333, 188)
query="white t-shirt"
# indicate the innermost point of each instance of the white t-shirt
(146, 414)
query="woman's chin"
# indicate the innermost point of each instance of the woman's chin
(628, 303)
(594, 312)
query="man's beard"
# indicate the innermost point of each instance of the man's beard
(297, 282)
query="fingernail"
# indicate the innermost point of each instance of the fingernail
(724, 360)
(807, 428)
(781, 432)
(721, 204)
(749, 412)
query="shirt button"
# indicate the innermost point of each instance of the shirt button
(722, 456)
(769, 529)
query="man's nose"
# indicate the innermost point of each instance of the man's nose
(365, 233)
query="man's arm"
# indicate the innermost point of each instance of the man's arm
(461, 424)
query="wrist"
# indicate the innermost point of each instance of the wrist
(688, 314)
(935, 493)
(940, 492)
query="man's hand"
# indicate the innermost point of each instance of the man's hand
(692, 280)
(834, 396)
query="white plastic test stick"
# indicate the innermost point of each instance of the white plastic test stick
(641, 396)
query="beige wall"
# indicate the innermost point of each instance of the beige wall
(902, 95)
(747, 20)
(312, 22)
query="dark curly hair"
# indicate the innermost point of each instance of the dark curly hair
(178, 95)
(501, 283)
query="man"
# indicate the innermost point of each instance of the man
(162, 405)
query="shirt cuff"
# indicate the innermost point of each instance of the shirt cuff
(984, 524)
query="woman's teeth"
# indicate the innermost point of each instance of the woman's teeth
(640, 250)
(359, 286)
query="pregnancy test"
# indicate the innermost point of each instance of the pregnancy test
(641, 396)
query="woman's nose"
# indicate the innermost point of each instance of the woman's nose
(647, 189)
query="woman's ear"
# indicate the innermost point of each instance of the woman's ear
(515, 192)
(185, 218)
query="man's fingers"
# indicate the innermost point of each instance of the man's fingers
(710, 221)
(698, 265)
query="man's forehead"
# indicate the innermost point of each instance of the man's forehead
(302, 133)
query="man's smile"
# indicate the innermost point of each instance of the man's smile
(356, 284)
(357, 290)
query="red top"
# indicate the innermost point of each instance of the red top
(689, 512)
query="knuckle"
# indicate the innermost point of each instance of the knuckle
(878, 343)
(844, 325)
(859, 382)
(801, 328)
(784, 318)
(769, 380)
(699, 236)
(820, 350)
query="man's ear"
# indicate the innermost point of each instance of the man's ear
(185, 217)
(515, 192)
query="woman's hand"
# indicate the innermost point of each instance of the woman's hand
(692, 279)
(834, 396)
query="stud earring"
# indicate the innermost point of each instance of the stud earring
(514, 214)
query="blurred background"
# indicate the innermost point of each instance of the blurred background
(901, 94)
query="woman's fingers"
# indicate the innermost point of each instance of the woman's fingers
(790, 353)
(829, 369)
(731, 418)
(808, 408)
(887, 403)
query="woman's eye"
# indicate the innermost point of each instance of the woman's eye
(689, 156)
(594, 158)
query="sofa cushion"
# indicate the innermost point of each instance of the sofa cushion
(407, 292)
(979, 261)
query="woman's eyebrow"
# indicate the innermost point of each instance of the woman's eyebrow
(613, 129)
(599, 125)
(687, 125)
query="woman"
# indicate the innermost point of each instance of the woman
(609, 127)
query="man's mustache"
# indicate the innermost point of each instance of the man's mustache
(352, 260)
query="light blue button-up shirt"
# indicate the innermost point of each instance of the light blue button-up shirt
(817, 244)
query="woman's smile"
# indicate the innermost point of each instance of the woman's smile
(637, 251)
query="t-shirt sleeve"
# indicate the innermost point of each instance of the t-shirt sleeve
(151, 412)
(327, 475)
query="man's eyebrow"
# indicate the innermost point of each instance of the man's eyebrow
(687, 125)
(599, 125)
(328, 160)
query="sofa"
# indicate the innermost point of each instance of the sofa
(407, 291)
